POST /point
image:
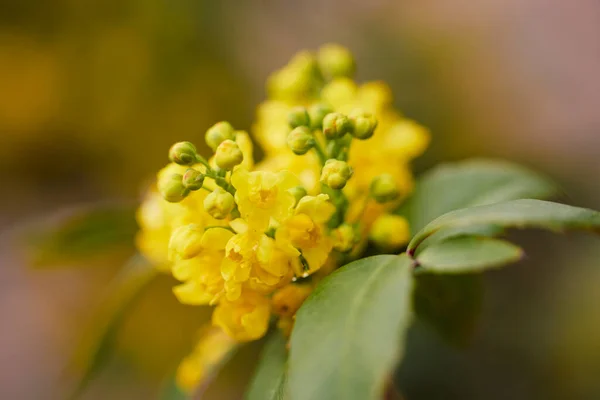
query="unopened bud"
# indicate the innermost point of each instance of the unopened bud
(228, 155)
(172, 189)
(218, 133)
(298, 117)
(335, 173)
(193, 179)
(344, 238)
(300, 140)
(185, 242)
(336, 125)
(219, 203)
(390, 232)
(316, 113)
(336, 61)
(363, 124)
(298, 192)
(183, 153)
(384, 188)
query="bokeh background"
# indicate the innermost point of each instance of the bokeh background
(92, 93)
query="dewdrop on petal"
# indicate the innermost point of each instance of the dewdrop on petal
(335, 173)
(384, 188)
(390, 232)
(219, 132)
(172, 189)
(228, 155)
(183, 153)
(219, 203)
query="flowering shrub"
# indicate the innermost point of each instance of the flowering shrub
(281, 245)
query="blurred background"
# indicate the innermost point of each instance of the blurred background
(92, 93)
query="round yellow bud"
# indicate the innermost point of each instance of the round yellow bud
(335, 173)
(336, 61)
(219, 203)
(384, 188)
(298, 117)
(172, 189)
(363, 124)
(228, 155)
(344, 238)
(218, 133)
(316, 113)
(185, 242)
(336, 125)
(300, 140)
(390, 232)
(193, 179)
(183, 153)
(298, 192)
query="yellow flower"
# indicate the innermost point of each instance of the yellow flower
(287, 300)
(203, 283)
(263, 195)
(212, 348)
(306, 232)
(390, 231)
(252, 254)
(244, 319)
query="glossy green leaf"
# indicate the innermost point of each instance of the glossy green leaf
(467, 254)
(472, 183)
(80, 233)
(97, 345)
(525, 213)
(349, 334)
(269, 381)
(449, 304)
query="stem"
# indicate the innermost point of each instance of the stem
(203, 161)
(320, 152)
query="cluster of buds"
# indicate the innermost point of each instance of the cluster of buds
(253, 240)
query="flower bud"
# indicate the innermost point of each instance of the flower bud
(384, 188)
(172, 189)
(183, 153)
(228, 155)
(298, 117)
(363, 124)
(218, 133)
(390, 232)
(185, 242)
(316, 113)
(335, 173)
(300, 140)
(298, 192)
(336, 125)
(193, 179)
(336, 61)
(344, 238)
(219, 203)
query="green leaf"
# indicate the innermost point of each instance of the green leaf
(467, 254)
(269, 381)
(449, 304)
(97, 345)
(525, 213)
(349, 334)
(472, 183)
(79, 233)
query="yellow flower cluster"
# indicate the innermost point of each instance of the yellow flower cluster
(252, 240)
